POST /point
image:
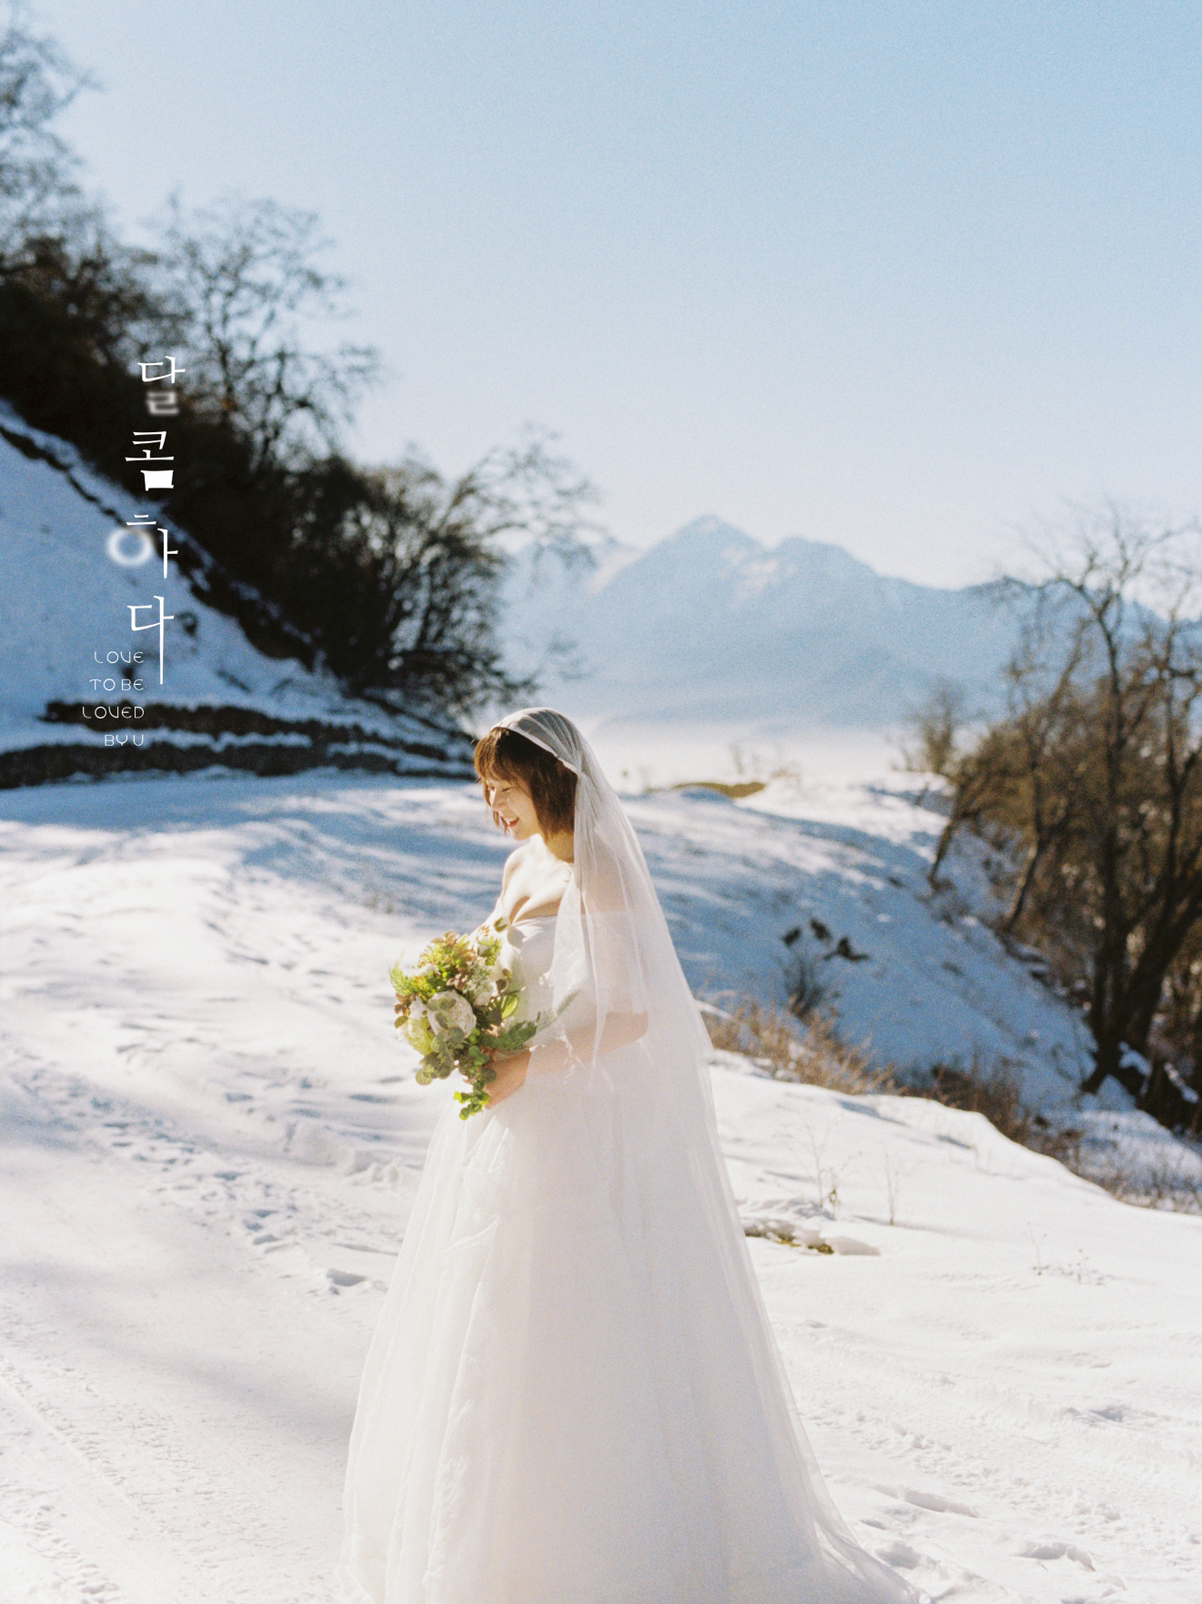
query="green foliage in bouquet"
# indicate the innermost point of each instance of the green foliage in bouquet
(454, 1009)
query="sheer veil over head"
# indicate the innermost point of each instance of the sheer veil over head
(613, 952)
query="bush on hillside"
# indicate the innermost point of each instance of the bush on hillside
(387, 577)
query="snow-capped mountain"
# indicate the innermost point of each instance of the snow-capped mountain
(710, 624)
(76, 700)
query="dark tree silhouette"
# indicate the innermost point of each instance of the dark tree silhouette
(1094, 776)
(388, 577)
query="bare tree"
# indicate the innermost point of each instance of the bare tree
(423, 561)
(391, 577)
(37, 168)
(1094, 777)
(1014, 778)
(241, 283)
(528, 490)
(934, 729)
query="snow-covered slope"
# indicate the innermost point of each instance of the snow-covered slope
(841, 868)
(66, 645)
(210, 1137)
(710, 624)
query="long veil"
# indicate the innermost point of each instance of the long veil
(614, 961)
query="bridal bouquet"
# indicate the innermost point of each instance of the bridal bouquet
(454, 1008)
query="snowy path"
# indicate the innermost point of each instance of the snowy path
(208, 1142)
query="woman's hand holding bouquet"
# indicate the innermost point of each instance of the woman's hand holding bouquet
(454, 1009)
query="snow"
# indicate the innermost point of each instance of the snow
(211, 1138)
(710, 626)
(65, 634)
(930, 982)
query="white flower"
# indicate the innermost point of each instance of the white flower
(417, 1028)
(479, 988)
(449, 1010)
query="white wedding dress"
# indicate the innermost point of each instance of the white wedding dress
(572, 1395)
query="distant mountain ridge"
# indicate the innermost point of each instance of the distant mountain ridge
(711, 624)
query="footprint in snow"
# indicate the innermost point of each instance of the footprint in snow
(1049, 1551)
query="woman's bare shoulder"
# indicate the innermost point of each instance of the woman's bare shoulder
(514, 862)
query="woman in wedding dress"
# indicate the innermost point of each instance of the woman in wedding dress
(573, 1395)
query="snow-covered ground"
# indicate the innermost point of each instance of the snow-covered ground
(211, 1139)
(70, 570)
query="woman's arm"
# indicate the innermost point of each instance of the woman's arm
(616, 980)
(559, 1052)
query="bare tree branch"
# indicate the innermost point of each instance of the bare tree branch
(1093, 779)
(240, 281)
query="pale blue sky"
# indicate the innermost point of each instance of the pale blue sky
(898, 276)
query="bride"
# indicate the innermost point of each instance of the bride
(573, 1395)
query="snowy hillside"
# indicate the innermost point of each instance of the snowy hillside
(70, 569)
(211, 1137)
(711, 625)
(841, 869)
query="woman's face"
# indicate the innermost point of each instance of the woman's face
(514, 806)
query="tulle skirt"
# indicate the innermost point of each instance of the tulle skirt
(562, 1403)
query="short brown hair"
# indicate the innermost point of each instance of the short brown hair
(503, 754)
